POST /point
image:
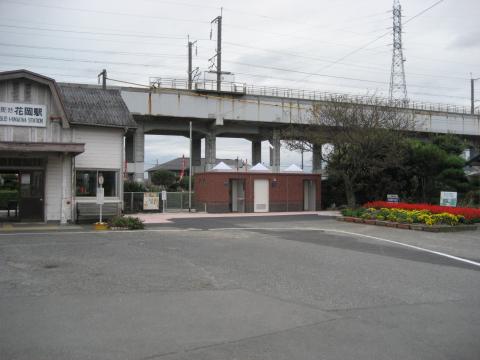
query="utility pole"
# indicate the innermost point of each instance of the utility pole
(190, 70)
(472, 94)
(218, 55)
(398, 87)
(103, 74)
(190, 171)
(189, 64)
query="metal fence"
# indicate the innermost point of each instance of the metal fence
(176, 201)
(299, 94)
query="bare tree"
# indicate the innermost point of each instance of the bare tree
(366, 138)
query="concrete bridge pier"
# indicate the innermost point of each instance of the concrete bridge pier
(139, 153)
(210, 150)
(256, 151)
(317, 159)
(196, 151)
(275, 151)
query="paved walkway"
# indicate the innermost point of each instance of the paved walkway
(37, 226)
(163, 218)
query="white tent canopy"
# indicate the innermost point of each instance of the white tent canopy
(293, 168)
(259, 167)
(221, 166)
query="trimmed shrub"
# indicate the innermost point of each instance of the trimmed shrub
(130, 222)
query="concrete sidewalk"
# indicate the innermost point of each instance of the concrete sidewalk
(38, 226)
(165, 218)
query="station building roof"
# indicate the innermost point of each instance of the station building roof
(81, 104)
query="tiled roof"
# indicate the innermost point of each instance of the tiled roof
(176, 164)
(86, 105)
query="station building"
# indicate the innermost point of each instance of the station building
(55, 142)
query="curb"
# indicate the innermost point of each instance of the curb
(417, 227)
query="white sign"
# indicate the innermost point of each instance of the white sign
(151, 201)
(100, 195)
(448, 198)
(164, 195)
(25, 179)
(14, 114)
(393, 198)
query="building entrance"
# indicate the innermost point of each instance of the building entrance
(31, 195)
(22, 195)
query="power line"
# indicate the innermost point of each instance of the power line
(332, 61)
(79, 60)
(93, 33)
(375, 40)
(90, 51)
(90, 70)
(49, 36)
(315, 82)
(164, 18)
(303, 72)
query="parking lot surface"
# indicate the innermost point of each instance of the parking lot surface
(291, 287)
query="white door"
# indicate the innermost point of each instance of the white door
(260, 196)
(309, 195)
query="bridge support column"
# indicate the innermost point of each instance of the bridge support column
(196, 151)
(210, 151)
(256, 152)
(317, 159)
(129, 147)
(139, 153)
(275, 151)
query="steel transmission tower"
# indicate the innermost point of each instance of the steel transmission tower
(398, 86)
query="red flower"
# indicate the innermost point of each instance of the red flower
(468, 213)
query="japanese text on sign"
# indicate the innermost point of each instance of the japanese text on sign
(14, 114)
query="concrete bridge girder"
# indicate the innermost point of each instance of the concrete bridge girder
(269, 110)
(257, 118)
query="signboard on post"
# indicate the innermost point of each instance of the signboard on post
(164, 200)
(100, 196)
(15, 114)
(151, 201)
(393, 198)
(448, 198)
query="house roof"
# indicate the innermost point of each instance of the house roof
(95, 106)
(221, 166)
(177, 164)
(259, 167)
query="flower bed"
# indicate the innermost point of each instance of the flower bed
(410, 216)
(470, 215)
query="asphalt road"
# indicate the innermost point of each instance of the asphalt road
(250, 288)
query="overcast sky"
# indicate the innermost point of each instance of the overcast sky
(291, 44)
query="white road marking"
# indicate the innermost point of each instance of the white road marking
(474, 263)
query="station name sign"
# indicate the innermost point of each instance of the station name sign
(13, 114)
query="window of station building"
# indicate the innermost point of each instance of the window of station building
(87, 182)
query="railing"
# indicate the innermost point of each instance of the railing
(176, 201)
(297, 94)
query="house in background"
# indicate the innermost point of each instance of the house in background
(176, 166)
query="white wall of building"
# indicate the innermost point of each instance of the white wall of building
(103, 151)
(103, 147)
(58, 187)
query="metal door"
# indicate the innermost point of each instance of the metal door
(237, 195)
(31, 203)
(309, 195)
(261, 196)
